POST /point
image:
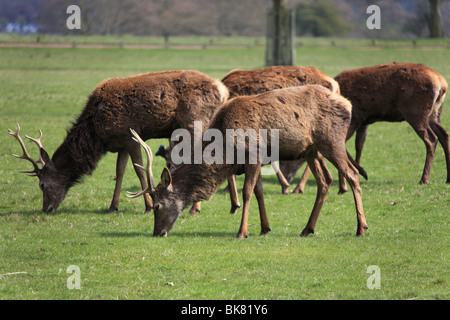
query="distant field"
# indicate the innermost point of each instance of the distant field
(408, 236)
(217, 41)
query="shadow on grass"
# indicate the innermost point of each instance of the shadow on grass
(190, 234)
(63, 211)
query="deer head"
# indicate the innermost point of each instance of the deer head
(167, 204)
(51, 183)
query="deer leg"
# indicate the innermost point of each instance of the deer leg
(251, 176)
(352, 176)
(289, 168)
(429, 138)
(339, 158)
(136, 157)
(323, 179)
(421, 125)
(281, 178)
(259, 193)
(443, 137)
(301, 184)
(232, 188)
(361, 134)
(360, 138)
(342, 185)
(121, 164)
(196, 207)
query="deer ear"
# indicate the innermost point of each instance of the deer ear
(166, 178)
(45, 156)
(162, 151)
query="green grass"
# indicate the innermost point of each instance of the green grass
(219, 41)
(408, 234)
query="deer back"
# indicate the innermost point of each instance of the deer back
(304, 115)
(253, 82)
(381, 92)
(154, 104)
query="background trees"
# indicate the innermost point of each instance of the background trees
(400, 18)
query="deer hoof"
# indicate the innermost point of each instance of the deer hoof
(364, 174)
(113, 209)
(242, 236)
(194, 211)
(306, 232)
(234, 208)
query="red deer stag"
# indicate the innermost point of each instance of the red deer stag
(396, 92)
(311, 121)
(153, 104)
(252, 82)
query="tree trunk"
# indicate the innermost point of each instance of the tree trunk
(277, 6)
(435, 19)
(280, 35)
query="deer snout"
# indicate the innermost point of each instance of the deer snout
(160, 233)
(49, 209)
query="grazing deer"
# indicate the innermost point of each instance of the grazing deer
(396, 92)
(252, 82)
(153, 104)
(312, 123)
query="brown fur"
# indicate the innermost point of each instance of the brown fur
(153, 104)
(253, 82)
(312, 122)
(397, 92)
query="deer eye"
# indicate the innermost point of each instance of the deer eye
(41, 185)
(156, 207)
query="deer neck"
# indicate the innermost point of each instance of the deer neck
(79, 154)
(197, 182)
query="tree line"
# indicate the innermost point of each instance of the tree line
(400, 18)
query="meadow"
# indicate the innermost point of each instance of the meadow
(408, 235)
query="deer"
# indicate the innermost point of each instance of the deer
(242, 82)
(252, 82)
(393, 92)
(153, 104)
(312, 123)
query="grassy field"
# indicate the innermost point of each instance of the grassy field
(408, 236)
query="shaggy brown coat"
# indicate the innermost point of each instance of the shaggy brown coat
(398, 92)
(253, 82)
(153, 104)
(311, 121)
(395, 92)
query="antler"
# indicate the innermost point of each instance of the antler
(26, 155)
(147, 169)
